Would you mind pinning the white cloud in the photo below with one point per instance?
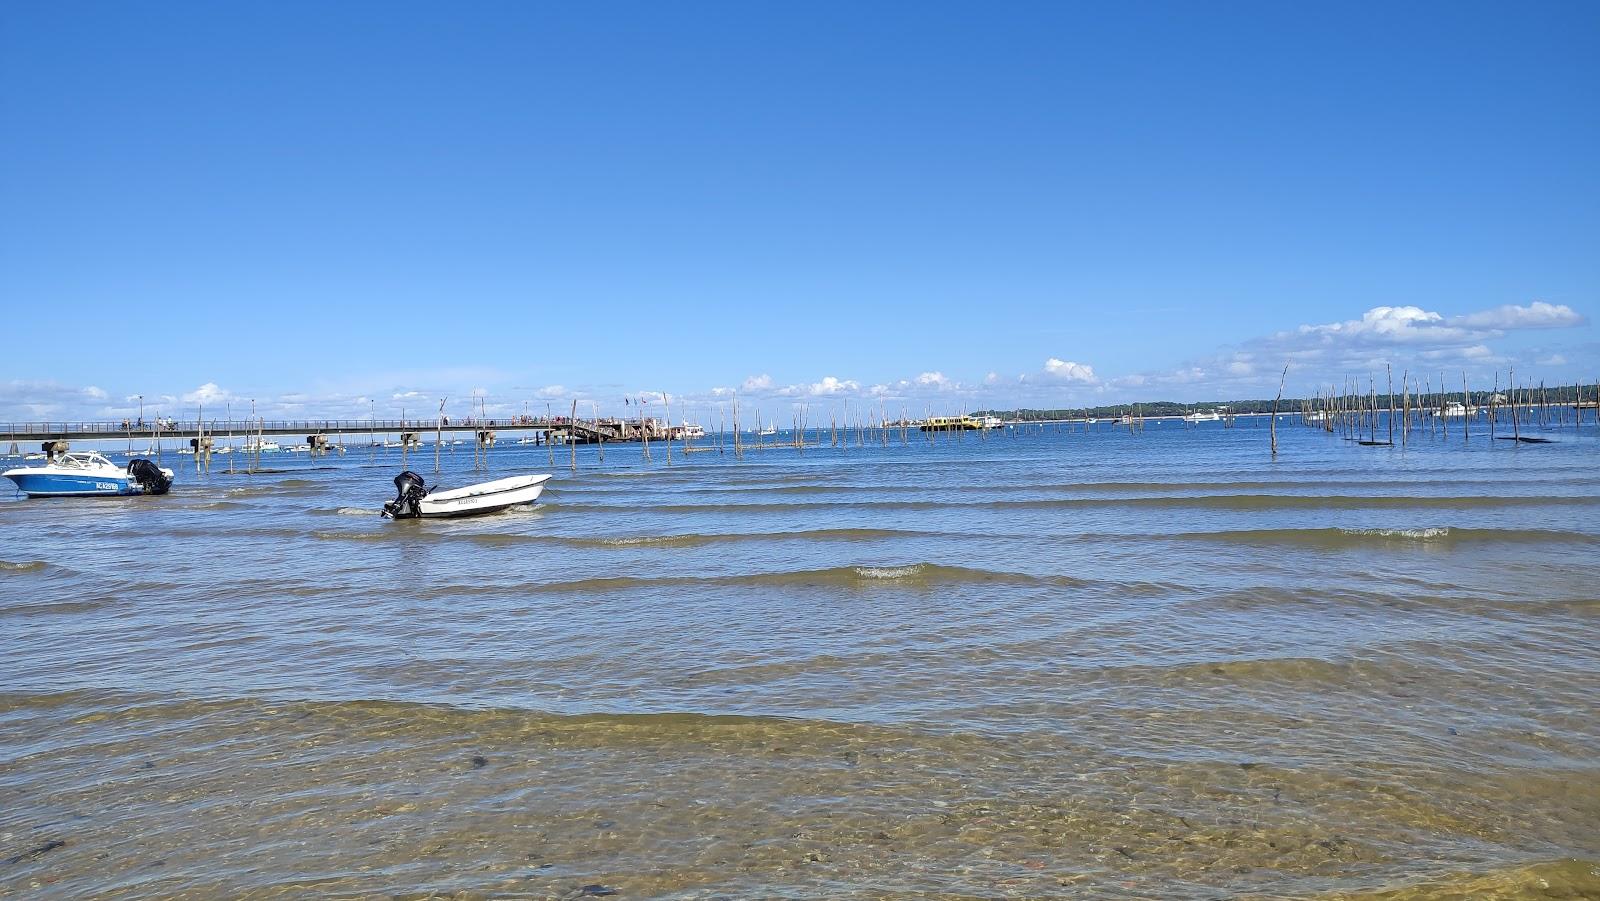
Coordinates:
(935, 379)
(830, 386)
(1553, 360)
(757, 383)
(550, 392)
(1386, 325)
(208, 393)
(992, 378)
(1535, 315)
(1068, 371)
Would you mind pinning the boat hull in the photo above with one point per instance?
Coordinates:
(44, 484)
(488, 497)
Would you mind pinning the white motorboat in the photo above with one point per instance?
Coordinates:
(414, 500)
(90, 475)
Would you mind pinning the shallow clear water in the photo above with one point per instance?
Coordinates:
(1042, 663)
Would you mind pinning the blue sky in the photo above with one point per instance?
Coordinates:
(333, 207)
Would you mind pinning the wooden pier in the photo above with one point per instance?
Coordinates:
(556, 429)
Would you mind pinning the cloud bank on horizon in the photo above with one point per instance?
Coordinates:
(1408, 338)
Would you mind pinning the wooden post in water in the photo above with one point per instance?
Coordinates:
(1372, 409)
(666, 409)
(1466, 409)
(1494, 408)
(572, 434)
(1275, 403)
(438, 434)
(644, 433)
(1405, 406)
(1390, 371)
(1516, 428)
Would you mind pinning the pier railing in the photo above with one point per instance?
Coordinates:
(20, 431)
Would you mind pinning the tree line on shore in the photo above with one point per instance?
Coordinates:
(1561, 394)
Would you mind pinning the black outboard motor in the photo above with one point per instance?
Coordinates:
(408, 500)
(149, 476)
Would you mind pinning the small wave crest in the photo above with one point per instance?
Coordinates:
(1412, 534)
(698, 540)
(23, 566)
(1393, 536)
(909, 575)
(917, 576)
(343, 511)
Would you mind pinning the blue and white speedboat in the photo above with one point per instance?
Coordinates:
(90, 475)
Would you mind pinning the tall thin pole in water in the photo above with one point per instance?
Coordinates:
(1494, 406)
(572, 434)
(1390, 370)
(666, 410)
(1516, 429)
(1466, 409)
(1405, 406)
(1275, 403)
(438, 434)
(1372, 409)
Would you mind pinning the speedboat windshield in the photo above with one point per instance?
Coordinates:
(82, 460)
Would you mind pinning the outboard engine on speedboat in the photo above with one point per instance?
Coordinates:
(410, 491)
(149, 476)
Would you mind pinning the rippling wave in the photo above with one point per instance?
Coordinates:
(1199, 501)
(1432, 536)
(23, 566)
